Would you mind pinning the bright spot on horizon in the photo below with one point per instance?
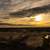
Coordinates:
(38, 18)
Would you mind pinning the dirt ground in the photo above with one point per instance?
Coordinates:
(25, 39)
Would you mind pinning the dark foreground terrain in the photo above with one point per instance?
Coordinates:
(25, 39)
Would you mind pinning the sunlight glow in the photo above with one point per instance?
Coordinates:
(38, 18)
